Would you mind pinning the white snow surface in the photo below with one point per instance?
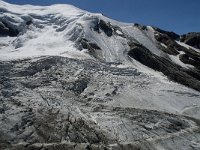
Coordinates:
(41, 38)
(188, 46)
(55, 31)
(176, 60)
(56, 28)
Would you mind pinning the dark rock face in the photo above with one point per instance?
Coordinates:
(105, 27)
(172, 35)
(165, 39)
(192, 39)
(142, 27)
(189, 77)
(190, 59)
(6, 30)
(173, 71)
(93, 48)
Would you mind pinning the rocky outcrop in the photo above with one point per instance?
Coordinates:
(105, 27)
(189, 58)
(169, 42)
(192, 39)
(172, 35)
(5, 30)
(93, 48)
(173, 71)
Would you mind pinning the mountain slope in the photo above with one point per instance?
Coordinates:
(80, 34)
(77, 80)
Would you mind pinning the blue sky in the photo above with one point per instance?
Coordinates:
(180, 16)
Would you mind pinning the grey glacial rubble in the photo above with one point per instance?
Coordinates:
(70, 79)
(57, 102)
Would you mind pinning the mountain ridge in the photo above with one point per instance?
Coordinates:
(89, 35)
(71, 79)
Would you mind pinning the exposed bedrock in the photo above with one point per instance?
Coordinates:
(173, 71)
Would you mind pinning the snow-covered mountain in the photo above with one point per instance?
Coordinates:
(71, 79)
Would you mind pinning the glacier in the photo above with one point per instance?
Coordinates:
(71, 79)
